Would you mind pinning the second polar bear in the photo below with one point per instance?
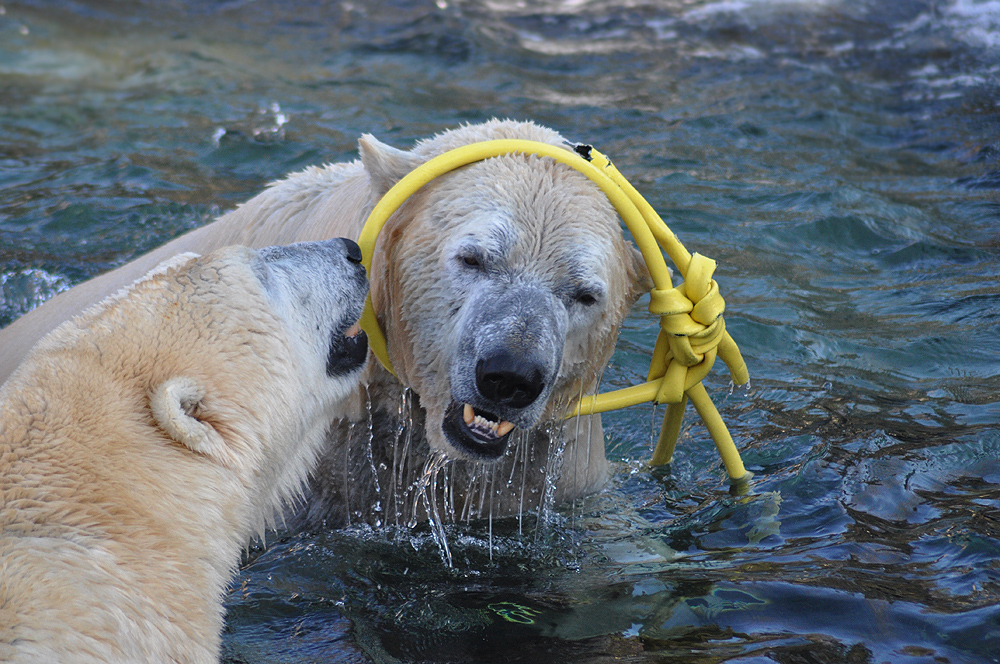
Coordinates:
(145, 441)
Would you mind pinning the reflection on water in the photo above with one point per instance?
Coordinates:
(840, 160)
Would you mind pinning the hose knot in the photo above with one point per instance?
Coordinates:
(691, 329)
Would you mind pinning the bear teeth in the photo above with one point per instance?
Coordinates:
(483, 425)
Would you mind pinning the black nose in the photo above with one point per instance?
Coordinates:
(353, 250)
(507, 380)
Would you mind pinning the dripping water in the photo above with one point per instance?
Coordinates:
(576, 465)
(598, 378)
(654, 426)
(410, 483)
(401, 453)
(347, 473)
(493, 474)
(552, 471)
(369, 452)
(522, 451)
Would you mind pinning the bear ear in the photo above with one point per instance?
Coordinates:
(385, 164)
(176, 404)
(642, 283)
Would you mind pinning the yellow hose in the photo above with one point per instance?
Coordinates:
(692, 330)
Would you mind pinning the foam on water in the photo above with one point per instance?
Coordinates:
(976, 22)
(758, 7)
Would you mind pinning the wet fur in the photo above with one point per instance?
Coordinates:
(143, 443)
(321, 202)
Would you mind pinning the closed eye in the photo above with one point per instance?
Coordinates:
(586, 297)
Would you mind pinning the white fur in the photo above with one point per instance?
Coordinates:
(173, 403)
(145, 441)
(571, 224)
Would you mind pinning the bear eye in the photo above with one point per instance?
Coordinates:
(471, 258)
(586, 297)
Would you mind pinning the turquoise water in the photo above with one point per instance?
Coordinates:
(841, 161)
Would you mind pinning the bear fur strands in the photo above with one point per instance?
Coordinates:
(500, 287)
(145, 441)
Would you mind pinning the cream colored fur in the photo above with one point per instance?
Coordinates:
(562, 215)
(144, 442)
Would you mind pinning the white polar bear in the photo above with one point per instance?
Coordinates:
(500, 286)
(145, 441)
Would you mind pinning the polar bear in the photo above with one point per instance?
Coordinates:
(500, 287)
(143, 442)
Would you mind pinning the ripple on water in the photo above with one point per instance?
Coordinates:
(22, 291)
(838, 158)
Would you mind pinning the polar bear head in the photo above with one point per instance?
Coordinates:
(144, 441)
(269, 354)
(312, 291)
(501, 286)
(251, 354)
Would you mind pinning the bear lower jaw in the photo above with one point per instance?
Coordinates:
(471, 440)
(348, 352)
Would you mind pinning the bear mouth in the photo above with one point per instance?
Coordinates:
(476, 432)
(348, 351)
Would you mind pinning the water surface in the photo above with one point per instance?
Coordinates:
(839, 159)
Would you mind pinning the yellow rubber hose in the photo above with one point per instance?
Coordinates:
(692, 329)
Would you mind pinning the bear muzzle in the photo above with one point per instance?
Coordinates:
(505, 367)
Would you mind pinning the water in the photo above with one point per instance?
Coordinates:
(839, 159)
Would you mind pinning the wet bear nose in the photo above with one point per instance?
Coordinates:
(504, 379)
(353, 250)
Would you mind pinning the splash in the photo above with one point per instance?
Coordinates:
(22, 291)
(742, 391)
(426, 489)
(389, 471)
(401, 454)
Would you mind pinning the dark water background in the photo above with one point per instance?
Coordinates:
(840, 159)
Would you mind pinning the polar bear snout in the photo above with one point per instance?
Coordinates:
(321, 286)
(353, 251)
(506, 364)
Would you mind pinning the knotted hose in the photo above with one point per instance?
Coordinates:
(692, 329)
